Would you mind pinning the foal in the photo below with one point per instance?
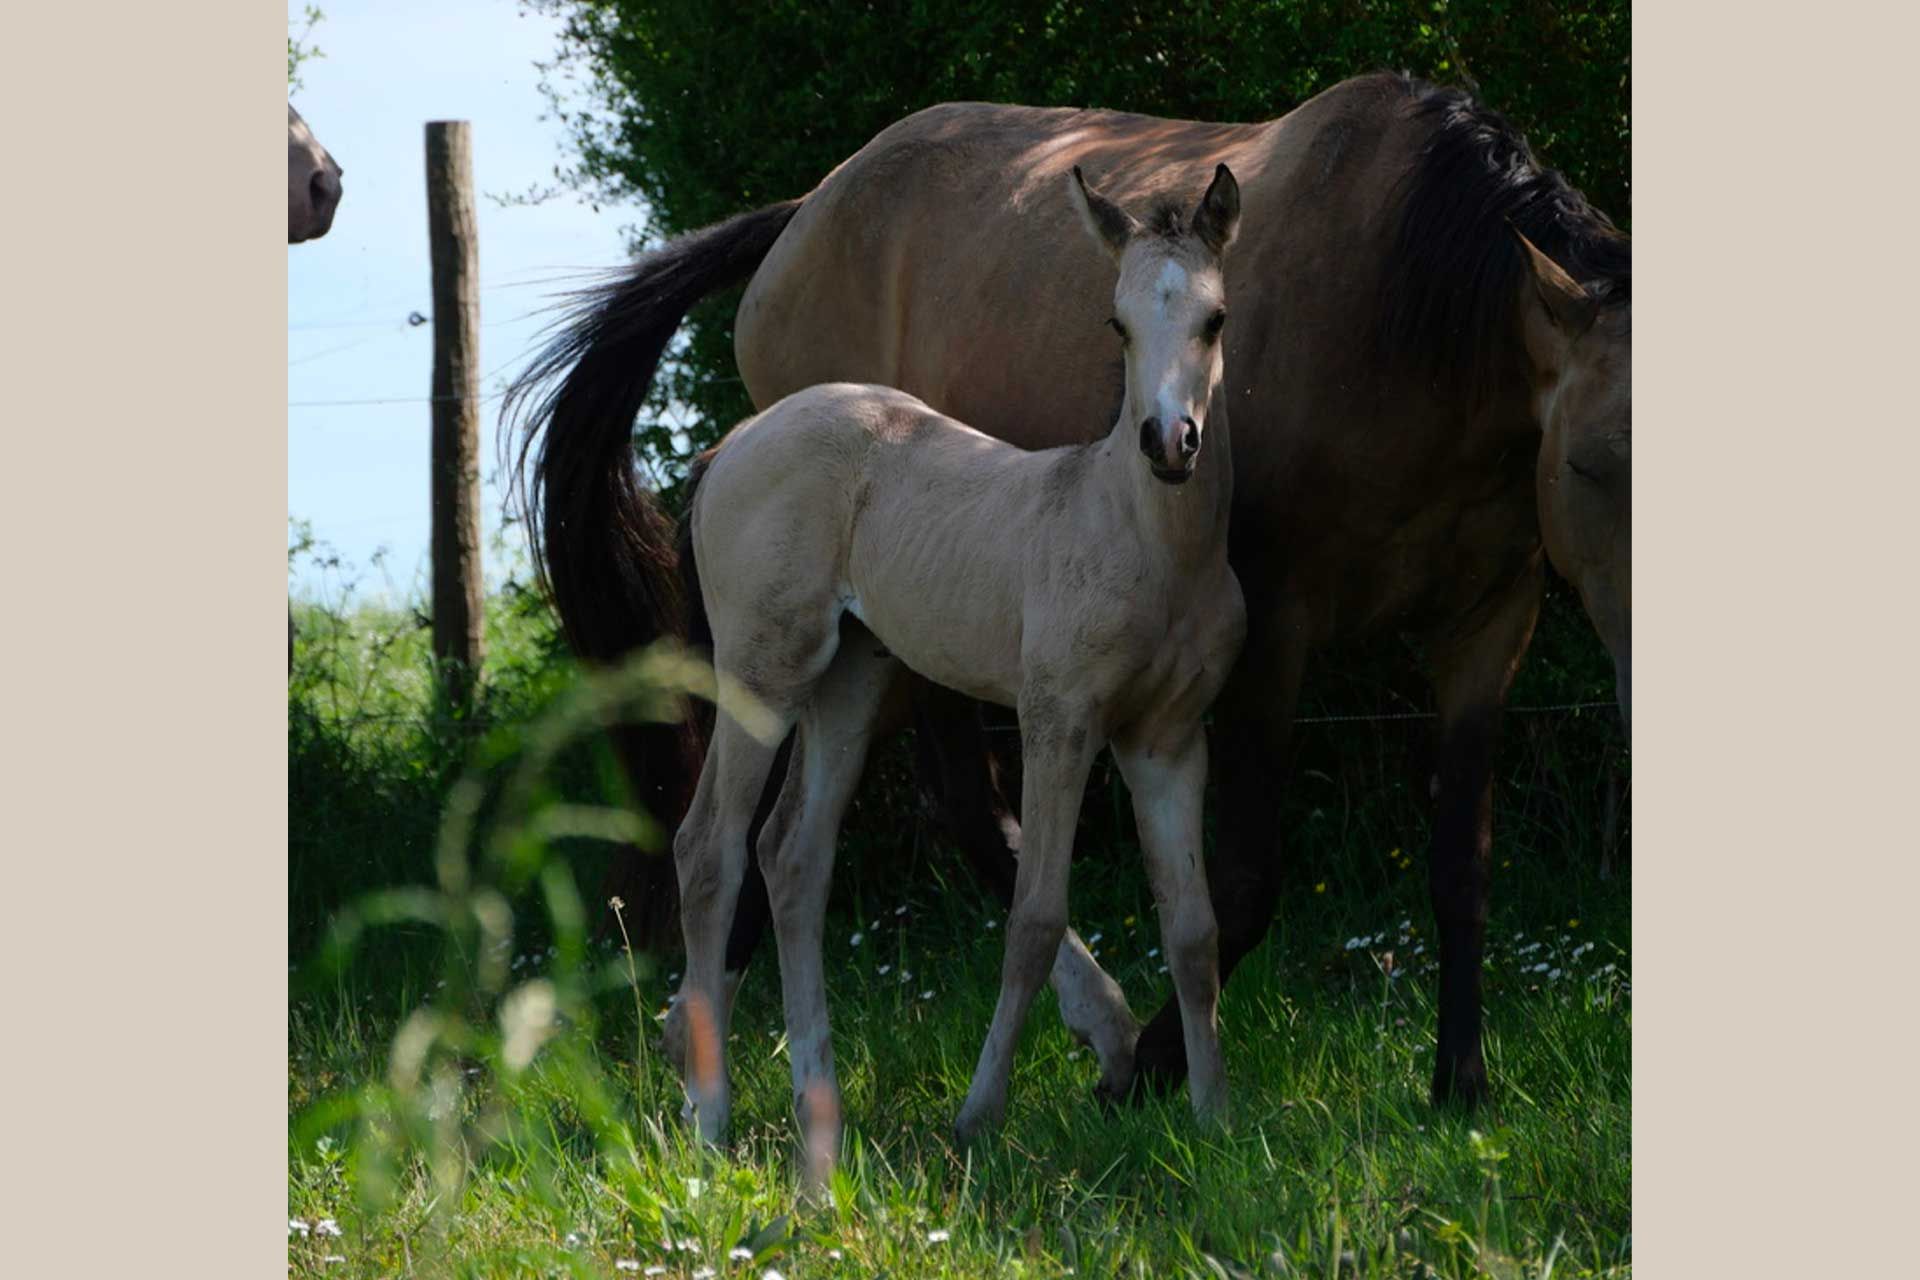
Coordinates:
(851, 529)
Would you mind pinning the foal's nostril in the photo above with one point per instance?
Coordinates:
(324, 189)
(1150, 438)
(1189, 438)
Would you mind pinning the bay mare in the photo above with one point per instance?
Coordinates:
(1429, 373)
(850, 533)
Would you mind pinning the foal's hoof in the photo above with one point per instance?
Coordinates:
(969, 1127)
(1460, 1084)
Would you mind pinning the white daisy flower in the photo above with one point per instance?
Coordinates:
(939, 1236)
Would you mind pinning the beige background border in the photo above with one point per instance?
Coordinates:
(144, 949)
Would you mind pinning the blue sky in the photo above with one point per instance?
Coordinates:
(358, 472)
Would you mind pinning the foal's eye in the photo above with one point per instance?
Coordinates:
(1215, 323)
(1117, 327)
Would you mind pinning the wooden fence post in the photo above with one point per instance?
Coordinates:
(454, 242)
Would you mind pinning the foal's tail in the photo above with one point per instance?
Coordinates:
(603, 550)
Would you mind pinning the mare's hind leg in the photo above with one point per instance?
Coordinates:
(1168, 779)
(956, 764)
(796, 851)
(1059, 749)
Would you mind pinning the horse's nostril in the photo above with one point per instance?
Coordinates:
(325, 188)
(1189, 438)
(1150, 438)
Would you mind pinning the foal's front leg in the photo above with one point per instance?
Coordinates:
(1059, 747)
(955, 766)
(1168, 777)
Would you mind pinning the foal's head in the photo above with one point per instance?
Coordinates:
(1168, 308)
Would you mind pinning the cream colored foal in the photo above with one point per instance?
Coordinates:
(849, 530)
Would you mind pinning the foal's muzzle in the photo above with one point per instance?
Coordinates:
(1171, 451)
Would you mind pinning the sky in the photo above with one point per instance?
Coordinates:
(357, 473)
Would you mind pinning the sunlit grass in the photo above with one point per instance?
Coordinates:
(450, 1157)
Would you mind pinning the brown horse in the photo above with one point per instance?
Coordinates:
(1429, 371)
(313, 182)
(851, 533)
(313, 193)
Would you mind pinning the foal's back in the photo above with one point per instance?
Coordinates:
(846, 497)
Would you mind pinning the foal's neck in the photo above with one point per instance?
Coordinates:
(1187, 521)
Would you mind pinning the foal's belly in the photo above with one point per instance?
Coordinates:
(959, 633)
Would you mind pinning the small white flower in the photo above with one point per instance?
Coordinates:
(1094, 941)
(885, 969)
(335, 1257)
(633, 1264)
(900, 910)
(738, 1254)
(992, 925)
(856, 939)
(1542, 967)
(1354, 944)
(939, 1236)
(655, 1270)
(688, 1246)
(1163, 968)
(1152, 952)
(926, 995)
(835, 1254)
(326, 1227)
(771, 1274)
(1072, 1054)
(1553, 975)
(704, 1273)
(295, 1224)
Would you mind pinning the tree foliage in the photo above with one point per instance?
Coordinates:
(704, 108)
(299, 47)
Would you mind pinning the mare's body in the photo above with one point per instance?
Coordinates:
(1417, 397)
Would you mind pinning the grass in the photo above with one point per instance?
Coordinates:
(473, 1087)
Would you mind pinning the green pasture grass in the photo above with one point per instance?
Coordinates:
(463, 1158)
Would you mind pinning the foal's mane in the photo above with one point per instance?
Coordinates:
(1454, 270)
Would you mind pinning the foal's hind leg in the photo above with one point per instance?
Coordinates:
(1168, 780)
(796, 855)
(710, 853)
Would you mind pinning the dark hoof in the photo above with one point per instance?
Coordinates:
(1159, 1063)
(1111, 1097)
(1461, 1085)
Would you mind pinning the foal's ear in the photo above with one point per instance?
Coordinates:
(1571, 308)
(1111, 225)
(1218, 217)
